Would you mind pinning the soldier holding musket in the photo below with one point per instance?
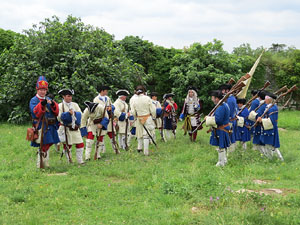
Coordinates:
(94, 122)
(44, 111)
(219, 122)
(231, 101)
(69, 129)
(122, 115)
(253, 115)
(270, 135)
(106, 102)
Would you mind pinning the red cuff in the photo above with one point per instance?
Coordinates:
(39, 110)
(175, 106)
(55, 108)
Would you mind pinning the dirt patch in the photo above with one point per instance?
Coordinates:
(199, 209)
(268, 191)
(56, 174)
(261, 181)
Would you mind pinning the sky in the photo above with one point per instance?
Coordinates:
(170, 23)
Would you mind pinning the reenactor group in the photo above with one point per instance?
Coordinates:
(231, 121)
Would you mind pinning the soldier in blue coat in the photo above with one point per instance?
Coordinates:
(231, 101)
(257, 131)
(270, 136)
(43, 107)
(220, 127)
(243, 134)
(254, 104)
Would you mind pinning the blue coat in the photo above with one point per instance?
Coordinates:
(231, 101)
(271, 137)
(254, 104)
(257, 131)
(37, 110)
(243, 134)
(220, 138)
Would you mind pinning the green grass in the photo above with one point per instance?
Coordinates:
(161, 189)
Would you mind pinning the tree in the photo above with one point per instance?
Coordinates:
(70, 55)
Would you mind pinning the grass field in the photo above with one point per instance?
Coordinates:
(177, 184)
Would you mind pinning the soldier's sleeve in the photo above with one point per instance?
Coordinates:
(59, 112)
(78, 114)
(84, 118)
(54, 107)
(175, 106)
(274, 115)
(118, 112)
(152, 108)
(219, 115)
(36, 108)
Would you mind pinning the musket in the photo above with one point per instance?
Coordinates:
(288, 101)
(220, 103)
(278, 91)
(252, 99)
(99, 134)
(67, 144)
(284, 88)
(42, 143)
(231, 81)
(113, 133)
(280, 96)
(126, 130)
(242, 79)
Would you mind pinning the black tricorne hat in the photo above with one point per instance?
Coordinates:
(225, 87)
(254, 92)
(267, 93)
(192, 88)
(103, 88)
(241, 101)
(122, 92)
(262, 95)
(168, 95)
(153, 94)
(91, 106)
(216, 93)
(64, 92)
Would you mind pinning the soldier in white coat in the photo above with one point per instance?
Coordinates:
(132, 133)
(106, 102)
(122, 115)
(69, 117)
(94, 123)
(144, 111)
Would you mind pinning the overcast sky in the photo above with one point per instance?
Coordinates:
(170, 23)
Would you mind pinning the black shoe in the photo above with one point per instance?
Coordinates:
(99, 158)
(139, 151)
